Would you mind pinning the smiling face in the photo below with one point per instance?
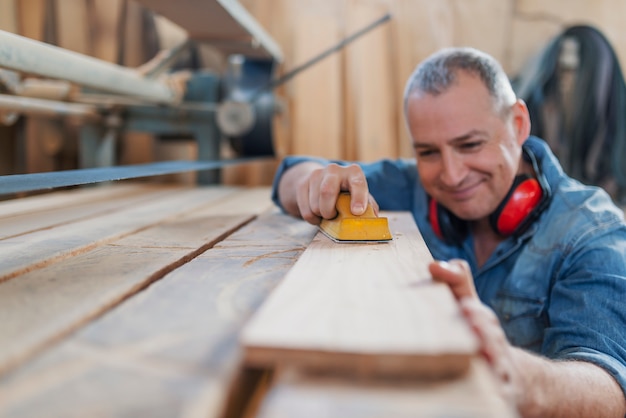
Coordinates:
(468, 151)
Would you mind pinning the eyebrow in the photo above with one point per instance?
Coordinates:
(472, 133)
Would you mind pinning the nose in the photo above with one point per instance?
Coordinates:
(453, 169)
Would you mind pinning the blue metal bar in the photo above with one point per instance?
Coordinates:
(19, 183)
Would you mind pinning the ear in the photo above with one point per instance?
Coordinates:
(521, 121)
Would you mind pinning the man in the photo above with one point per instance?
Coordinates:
(536, 260)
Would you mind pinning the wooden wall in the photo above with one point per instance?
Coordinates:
(349, 105)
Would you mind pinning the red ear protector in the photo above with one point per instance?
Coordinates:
(524, 202)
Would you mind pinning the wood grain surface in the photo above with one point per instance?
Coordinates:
(146, 323)
(472, 396)
(367, 309)
(24, 252)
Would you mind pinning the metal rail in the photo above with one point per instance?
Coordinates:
(20, 183)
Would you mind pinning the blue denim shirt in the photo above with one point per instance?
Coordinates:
(559, 289)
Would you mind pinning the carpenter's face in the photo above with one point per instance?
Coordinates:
(467, 153)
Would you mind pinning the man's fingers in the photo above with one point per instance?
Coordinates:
(494, 346)
(373, 204)
(317, 193)
(303, 199)
(485, 325)
(457, 275)
(338, 179)
(354, 182)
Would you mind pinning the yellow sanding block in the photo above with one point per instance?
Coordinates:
(346, 227)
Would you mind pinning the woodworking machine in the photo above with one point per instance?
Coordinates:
(237, 106)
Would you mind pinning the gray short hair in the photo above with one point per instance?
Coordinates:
(438, 72)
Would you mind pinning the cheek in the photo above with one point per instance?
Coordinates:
(428, 175)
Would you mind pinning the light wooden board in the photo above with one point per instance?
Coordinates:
(317, 122)
(224, 24)
(472, 396)
(44, 304)
(74, 207)
(73, 29)
(371, 103)
(26, 252)
(31, 15)
(367, 309)
(170, 350)
(8, 16)
(62, 199)
(104, 18)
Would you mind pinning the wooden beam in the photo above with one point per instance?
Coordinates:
(25, 252)
(42, 305)
(172, 349)
(8, 16)
(73, 31)
(63, 199)
(370, 96)
(363, 309)
(224, 24)
(317, 126)
(32, 17)
(105, 20)
(76, 207)
(474, 395)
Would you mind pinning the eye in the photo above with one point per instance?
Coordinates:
(426, 153)
(470, 146)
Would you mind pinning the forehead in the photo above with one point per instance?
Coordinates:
(460, 83)
(465, 105)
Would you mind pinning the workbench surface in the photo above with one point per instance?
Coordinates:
(127, 300)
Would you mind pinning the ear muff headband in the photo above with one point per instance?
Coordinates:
(433, 217)
(522, 205)
(446, 225)
(521, 201)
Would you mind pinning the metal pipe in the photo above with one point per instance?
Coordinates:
(31, 106)
(27, 55)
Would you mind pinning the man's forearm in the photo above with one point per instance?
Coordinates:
(566, 389)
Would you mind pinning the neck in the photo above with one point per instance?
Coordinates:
(485, 240)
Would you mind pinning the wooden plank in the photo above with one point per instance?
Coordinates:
(419, 28)
(75, 197)
(365, 309)
(73, 31)
(472, 396)
(45, 304)
(224, 24)
(75, 208)
(170, 351)
(43, 138)
(105, 25)
(135, 48)
(32, 16)
(317, 120)
(8, 165)
(491, 37)
(8, 16)
(26, 252)
(373, 105)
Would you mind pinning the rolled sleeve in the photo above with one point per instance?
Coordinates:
(587, 313)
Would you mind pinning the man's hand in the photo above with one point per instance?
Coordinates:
(535, 386)
(310, 191)
(494, 346)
